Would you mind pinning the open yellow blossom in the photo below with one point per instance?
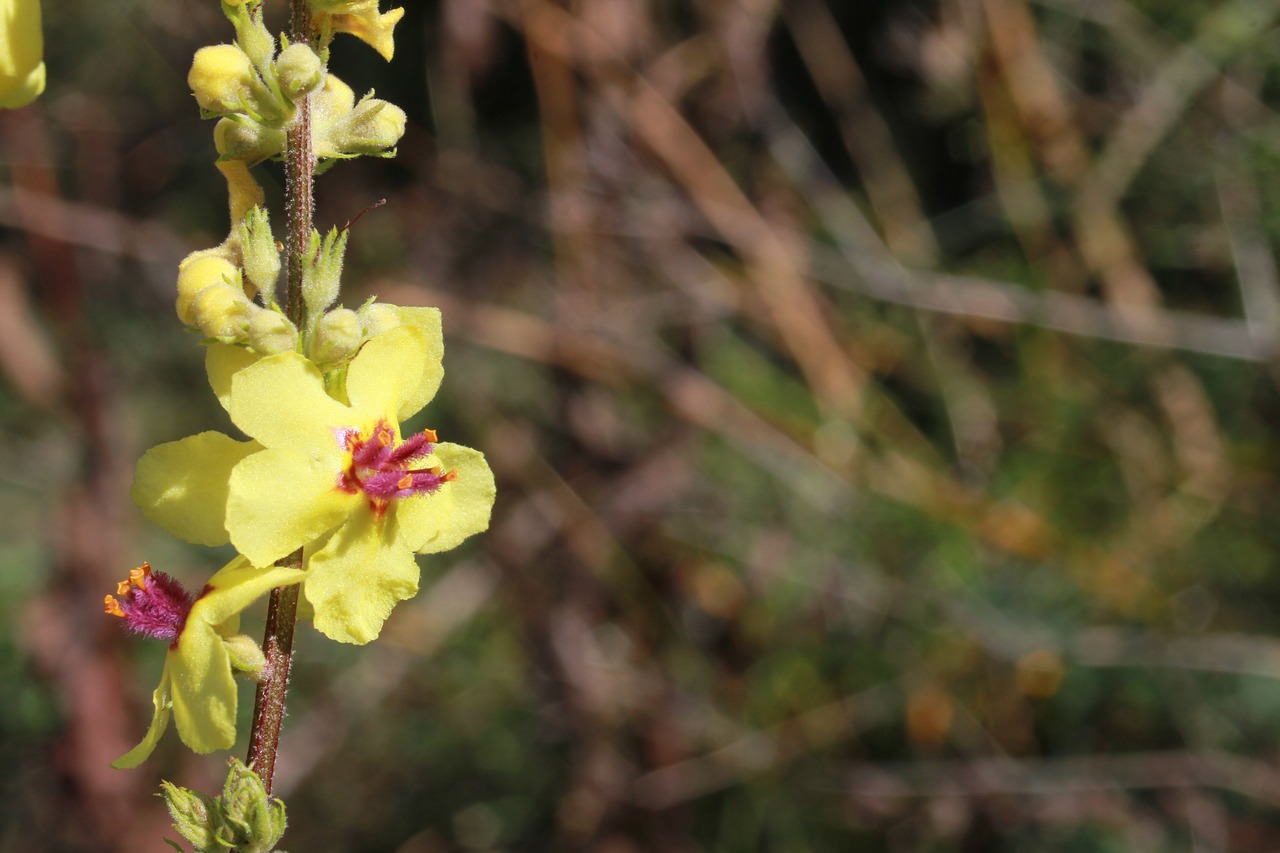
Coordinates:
(196, 686)
(332, 476)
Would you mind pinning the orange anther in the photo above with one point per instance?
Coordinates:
(450, 477)
(404, 482)
(430, 435)
(123, 588)
(112, 607)
(138, 575)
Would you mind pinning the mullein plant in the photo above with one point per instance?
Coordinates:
(324, 498)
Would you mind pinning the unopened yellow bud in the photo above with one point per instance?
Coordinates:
(221, 78)
(242, 138)
(372, 127)
(198, 271)
(299, 71)
(21, 53)
(332, 103)
(222, 311)
(338, 335)
(379, 317)
(246, 655)
(271, 332)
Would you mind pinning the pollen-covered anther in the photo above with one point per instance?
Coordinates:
(383, 470)
(151, 603)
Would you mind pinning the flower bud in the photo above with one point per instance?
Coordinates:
(338, 335)
(194, 815)
(322, 270)
(198, 271)
(332, 103)
(222, 311)
(242, 138)
(299, 70)
(372, 128)
(252, 821)
(252, 34)
(246, 655)
(261, 258)
(271, 332)
(379, 317)
(222, 78)
(22, 71)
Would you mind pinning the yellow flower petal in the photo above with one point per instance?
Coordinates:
(386, 377)
(202, 688)
(437, 522)
(243, 191)
(22, 72)
(182, 485)
(357, 578)
(362, 20)
(281, 499)
(281, 402)
(428, 321)
(159, 722)
(237, 585)
(223, 361)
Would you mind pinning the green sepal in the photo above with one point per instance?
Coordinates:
(195, 817)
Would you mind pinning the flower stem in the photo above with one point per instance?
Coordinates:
(300, 171)
(268, 704)
(282, 610)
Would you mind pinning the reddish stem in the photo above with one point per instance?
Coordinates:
(282, 610)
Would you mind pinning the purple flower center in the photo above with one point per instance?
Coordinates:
(151, 603)
(385, 471)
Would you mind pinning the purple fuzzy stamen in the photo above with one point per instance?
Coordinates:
(381, 469)
(152, 604)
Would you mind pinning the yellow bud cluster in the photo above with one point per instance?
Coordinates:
(254, 85)
(214, 297)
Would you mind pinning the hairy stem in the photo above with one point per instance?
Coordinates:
(282, 611)
(300, 172)
(268, 705)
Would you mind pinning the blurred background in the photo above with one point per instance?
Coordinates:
(882, 396)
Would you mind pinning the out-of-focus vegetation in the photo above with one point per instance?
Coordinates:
(882, 396)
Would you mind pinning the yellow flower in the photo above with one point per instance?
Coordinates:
(361, 19)
(196, 686)
(21, 53)
(334, 477)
